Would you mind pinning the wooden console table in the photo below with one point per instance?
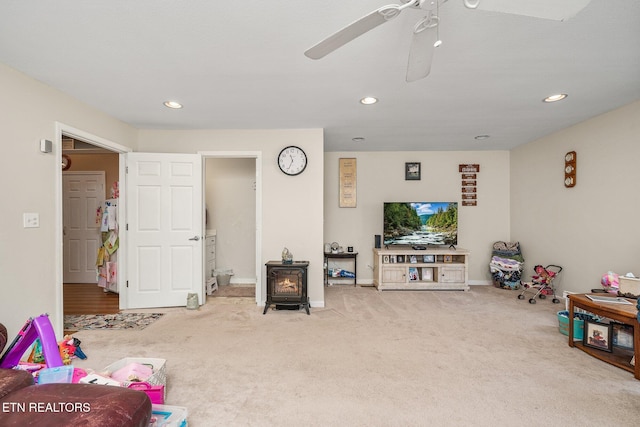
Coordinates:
(624, 313)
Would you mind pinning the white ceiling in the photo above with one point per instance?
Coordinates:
(240, 65)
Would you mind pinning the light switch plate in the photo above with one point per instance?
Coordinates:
(31, 220)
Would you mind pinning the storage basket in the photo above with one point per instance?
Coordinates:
(629, 286)
(159, 376)
(578, 323)
(169, 416)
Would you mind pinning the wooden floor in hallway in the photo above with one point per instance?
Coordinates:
(88, 298)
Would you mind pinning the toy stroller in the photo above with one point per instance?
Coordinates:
(542, 283)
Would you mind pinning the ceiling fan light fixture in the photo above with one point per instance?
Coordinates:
(368, 100)
(173, 104)
(358, 139)
(481, 137)
(555, 98)
(438, 43)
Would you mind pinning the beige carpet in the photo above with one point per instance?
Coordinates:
(369, 358)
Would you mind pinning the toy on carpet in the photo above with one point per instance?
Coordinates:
(69, 348)
(39, 329)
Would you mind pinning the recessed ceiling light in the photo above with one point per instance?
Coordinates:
(173, 104)
(481, 137)
(556, 97)
(358, 139)
(368, 100)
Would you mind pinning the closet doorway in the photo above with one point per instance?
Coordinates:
(233, 212)
(90, 176)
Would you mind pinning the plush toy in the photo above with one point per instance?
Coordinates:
(610, 282)
(70, 347)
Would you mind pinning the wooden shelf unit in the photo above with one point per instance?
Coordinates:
(430, 269)
(626, 314)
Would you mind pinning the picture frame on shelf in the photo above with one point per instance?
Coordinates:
(598, 335)
(413, 259)
(400, 258)
(413, 274)
(622, 336)
(428, 258)
(392, 259)
(447, 258)
(385, 259)
(412, 171)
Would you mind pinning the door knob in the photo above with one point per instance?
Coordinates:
(196, 238)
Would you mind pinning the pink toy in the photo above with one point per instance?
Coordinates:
(610, 282)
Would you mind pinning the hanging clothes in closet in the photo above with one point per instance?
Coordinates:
(107, 262)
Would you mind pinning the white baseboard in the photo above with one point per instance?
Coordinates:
(565, 294)
(242, 281)
(480, 282)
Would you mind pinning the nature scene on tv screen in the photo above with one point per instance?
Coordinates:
(423, 223)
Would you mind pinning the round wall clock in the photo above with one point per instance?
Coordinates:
(292, 160)
(66, 162)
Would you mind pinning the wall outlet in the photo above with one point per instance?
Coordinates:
(31, 220)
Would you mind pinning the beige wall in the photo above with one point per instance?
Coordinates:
(593, 227)
(380, 178)
(107, 162)
(28, 267)
(292, 208)
(589, 229)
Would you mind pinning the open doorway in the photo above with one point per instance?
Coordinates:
(233, 216)
(90, 180)
(89, 142)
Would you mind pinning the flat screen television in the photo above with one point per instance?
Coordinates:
(421, 223)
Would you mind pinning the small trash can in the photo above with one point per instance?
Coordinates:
(223, 277)
(192, 301)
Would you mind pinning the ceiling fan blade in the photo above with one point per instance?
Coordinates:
(557, 10)
(357, 28)
(422, 46)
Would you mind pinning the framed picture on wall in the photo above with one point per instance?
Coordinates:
(412, 171)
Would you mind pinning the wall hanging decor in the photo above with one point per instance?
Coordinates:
(570, 169)
(348, 174)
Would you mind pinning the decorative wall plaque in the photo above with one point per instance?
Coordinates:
(348, 177)
(469, 175)
(570, 163)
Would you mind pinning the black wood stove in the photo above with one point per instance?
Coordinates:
(287, 285)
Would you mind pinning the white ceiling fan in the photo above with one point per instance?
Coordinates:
(425, 32)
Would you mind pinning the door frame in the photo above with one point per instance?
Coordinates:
(257, 155)
(61, 128)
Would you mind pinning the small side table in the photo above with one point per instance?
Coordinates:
(341, 255)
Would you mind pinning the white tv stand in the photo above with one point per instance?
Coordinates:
(404, 268)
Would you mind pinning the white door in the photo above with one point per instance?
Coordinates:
(165, 229)
(83, 194)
